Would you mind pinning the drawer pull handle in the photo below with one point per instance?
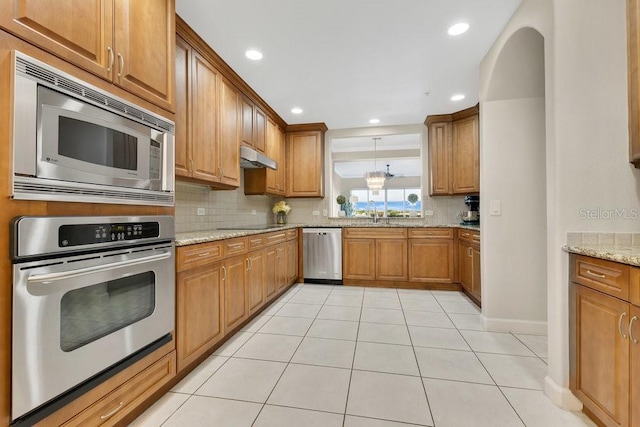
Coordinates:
(204, 254)
(224, 276)
(121, 62)
(622, 316)
(602, 276)
(111, 413)
(236, 246)
(110, 52)
(633, 319)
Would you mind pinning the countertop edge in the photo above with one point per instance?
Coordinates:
(629, 255)
(196, 237)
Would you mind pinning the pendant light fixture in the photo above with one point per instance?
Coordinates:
(375, 179)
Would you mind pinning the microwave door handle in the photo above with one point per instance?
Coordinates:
(63, 275)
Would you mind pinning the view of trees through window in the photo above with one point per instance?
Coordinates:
(393, 202)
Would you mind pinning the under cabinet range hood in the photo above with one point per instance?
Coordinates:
(252, 159)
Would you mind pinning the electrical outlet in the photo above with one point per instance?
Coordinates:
(253, 212)
(200, 211)
(325, 212)
(315, 213)
(428, 213)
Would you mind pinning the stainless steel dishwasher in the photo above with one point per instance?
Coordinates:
(322, 255)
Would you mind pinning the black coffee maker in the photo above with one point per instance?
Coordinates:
(472, 215)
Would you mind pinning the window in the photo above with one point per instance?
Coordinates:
(389, 202)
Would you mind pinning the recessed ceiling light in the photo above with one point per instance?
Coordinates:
(374, 121)
(296, 110)
(458, 97)
(253, 54)
(458, 29)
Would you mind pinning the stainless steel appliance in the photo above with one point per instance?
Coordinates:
(252, 159)
(322, 255)
(90, 296)
(471, 216)
(74, 140)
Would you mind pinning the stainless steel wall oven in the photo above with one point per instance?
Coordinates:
(90, 296)
(75, 140)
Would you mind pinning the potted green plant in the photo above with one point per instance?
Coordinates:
(413, 199)
(341, 200)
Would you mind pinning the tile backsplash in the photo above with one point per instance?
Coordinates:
(231, 208)
(620, 239)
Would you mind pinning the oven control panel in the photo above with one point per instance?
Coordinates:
(87, 234)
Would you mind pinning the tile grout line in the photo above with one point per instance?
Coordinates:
(353, 361)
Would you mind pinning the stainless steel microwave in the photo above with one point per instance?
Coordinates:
(75, 142)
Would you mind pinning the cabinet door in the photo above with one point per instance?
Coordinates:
(271, 276)
(260, 130)
(431, 261)
(183, 108)
(599, 372)
(204, 123)
(391, 259)
(246, 124)
(229, 129)
(199, 317)
(292, 261)
(466, 156)
(465, 265)
(281, 175)
(634, 339)
(144, 43)
(281, 266)
(79, 31)
(235, 291)
(273, 151)
(476, 287)
(633, 78)
(359, 259)
(440, 158)
(305, 164)
(255, 280)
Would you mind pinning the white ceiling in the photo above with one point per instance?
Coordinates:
(405, 141)
(347, 61)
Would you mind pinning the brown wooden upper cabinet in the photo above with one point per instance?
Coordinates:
(207, 121)
(633, 63)
(454, 153)
(265, 180)
(305, 160)
(253, 131)
(130, 43)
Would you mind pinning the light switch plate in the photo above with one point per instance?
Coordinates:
(253, 212)
(325, 212)
(495, 208)
(428, 213)
(316, 213)
(200, 211)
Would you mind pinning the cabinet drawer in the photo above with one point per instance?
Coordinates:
(237, 246)
(431, 233)
(198, 255)
(469, 236)
(275, 237)
(256, 242)
(114, 406)
(634, 285)
(606, 276)
(375, 233)
(292, 234)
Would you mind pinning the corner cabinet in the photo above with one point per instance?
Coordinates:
(469, 263)
(305, 160)
(604, 349)
(207, 121)
(126, 42)
(454, 152)
(633, 77)
(431, 255)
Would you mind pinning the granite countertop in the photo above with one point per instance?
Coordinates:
(625, 254)
(195, 237)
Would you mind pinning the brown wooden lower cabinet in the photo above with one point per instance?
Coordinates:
(600, 372)
(281, 266)
(255, 280)
(359, 259)
(469, 263)
(235, 291)
(391, 260)
(271, 272)
(292, 261)
(198, 326)
(431, 261)
(604, 350)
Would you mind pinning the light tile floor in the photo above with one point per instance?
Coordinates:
(353, 357)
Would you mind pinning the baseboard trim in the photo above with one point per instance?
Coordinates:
(515, 326)
(561, 396)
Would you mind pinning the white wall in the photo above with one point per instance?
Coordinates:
(586, 140)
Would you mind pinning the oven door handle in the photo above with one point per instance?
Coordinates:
(63, 275)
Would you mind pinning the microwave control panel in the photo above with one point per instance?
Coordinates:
(88, 234)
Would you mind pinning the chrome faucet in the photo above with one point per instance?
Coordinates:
(375, 211)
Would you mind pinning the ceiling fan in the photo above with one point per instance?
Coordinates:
(387, 174)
